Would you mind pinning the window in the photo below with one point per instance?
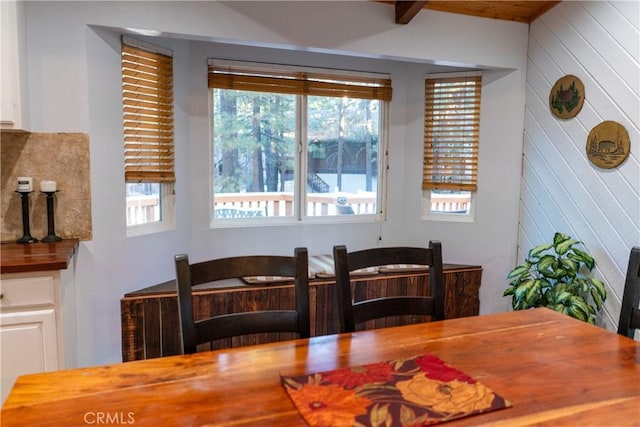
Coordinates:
(451, 135)
(147, 93)
(292, 143)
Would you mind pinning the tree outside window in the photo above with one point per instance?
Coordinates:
(295, 155)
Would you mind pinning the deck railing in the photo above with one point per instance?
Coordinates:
(281, 204)
(143, 209)
(450, 203)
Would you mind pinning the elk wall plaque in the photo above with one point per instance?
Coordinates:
(608, 144)
(566, 97)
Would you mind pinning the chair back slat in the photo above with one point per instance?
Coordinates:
(242, 266)
(391, 306)
(257, 322)
(391, 255)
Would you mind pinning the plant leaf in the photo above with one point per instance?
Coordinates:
(527, 294)
(581, 284)
(520, 290)
(579, 308)
(576, 313)
(537, 250)
(533, 293)
(585, 258)
(545, 284)
(521, 270)
(563, 247)
(563, 297)
(559, 238)
(599, 287)
(546, 263)
(597, 298)
(550, 274)
(570, 265)
(575, 257)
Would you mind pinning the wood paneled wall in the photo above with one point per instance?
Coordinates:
(598, 41)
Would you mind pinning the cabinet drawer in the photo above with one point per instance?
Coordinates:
(27, 291)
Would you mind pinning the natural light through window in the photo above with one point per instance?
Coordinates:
(147, 93)
(451, 139)
(297, 144)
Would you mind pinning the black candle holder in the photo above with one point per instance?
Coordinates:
(26, 232)
(51, 232)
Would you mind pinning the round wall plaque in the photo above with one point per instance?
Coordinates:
(608, 144)
(566, 97)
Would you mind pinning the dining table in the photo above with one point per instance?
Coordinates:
(551, 369)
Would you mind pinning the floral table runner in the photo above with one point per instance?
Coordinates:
(422, 390)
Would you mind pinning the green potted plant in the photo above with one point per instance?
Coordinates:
(553, 276)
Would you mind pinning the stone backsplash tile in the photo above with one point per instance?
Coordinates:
(60, 157)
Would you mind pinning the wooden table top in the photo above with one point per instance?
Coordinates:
(39, 256)
(555, 370)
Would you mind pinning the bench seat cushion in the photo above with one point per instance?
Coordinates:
(403, 268)
(321, 267)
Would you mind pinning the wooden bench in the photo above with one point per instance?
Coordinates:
(150, 315)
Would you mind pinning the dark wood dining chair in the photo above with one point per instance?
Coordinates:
(220, 326)
(351, 312)
(630, 311)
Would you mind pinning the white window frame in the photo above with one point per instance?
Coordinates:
(167, 214)
(300, 191)
(427, 213)
(167, 220)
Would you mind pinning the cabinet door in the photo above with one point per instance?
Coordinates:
(9, 75)
(28, 344)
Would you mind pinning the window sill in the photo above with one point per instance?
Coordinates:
(271, 222)
(449, 217)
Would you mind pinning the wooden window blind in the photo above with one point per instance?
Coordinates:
(252, 78)
(451, 133)
(147, 92)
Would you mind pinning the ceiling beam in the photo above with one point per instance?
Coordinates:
(406, 10)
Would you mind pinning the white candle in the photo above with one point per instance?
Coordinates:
(48, 186)
(25, 184)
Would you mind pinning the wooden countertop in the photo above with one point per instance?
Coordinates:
(27, 257)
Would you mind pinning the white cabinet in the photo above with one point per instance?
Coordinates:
(30, 325)
(10, 102)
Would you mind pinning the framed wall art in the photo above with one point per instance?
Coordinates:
(608, 144)
(566, 97)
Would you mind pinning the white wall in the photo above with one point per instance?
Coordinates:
(599, 42)
(73, 75)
